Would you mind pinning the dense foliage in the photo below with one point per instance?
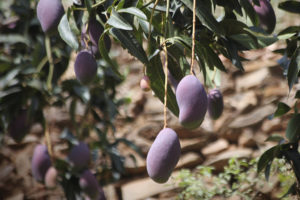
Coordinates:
(35, 52)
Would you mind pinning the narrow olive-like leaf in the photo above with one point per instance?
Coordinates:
(105, 56)
(290, 6)
(128, 40)
(66, 34)
(250, 11)
(282, 108)
(118, 21)
(293, 128)
(13, 39)
(134, 11)
(268, 170)
(294, 68)
(297, 95)
(233, 53)
(72, 22)
(266, 158)
(290, 29)
(157, 78)
(204, 16)
(274, 138)
(89, 4)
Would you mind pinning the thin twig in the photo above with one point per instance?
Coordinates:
(166, 64)
(48, 140)
(50, 59)
(193, 37)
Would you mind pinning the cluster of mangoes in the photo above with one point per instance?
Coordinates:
(78, 158)
(193, 102)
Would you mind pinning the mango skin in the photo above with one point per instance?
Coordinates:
(40, 163)
(89, 184)
(79, 156)
(266, 15)
(49, 13)
(85, 67)
(19, 126)
(101, 195)
(145, 84)
(163, 155)
(215, 103)
(192, 102)
(95, 30)
(51, 178)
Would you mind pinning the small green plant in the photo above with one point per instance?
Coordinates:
(239, 178)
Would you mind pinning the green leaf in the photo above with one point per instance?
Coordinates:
(66, 34)
(250, 11)
(157, 78)
(266, 158)
(254, 40)
(290, 6)
(134, 11)
(268, 170)
(289, 30)
(13, 39)
(118, 21)
(233, 54)
(128, 40)
(293, 128)
(105, 56)
(297, 95)
(282, 108)
(274, 138)
(294, 68)
(204, 16)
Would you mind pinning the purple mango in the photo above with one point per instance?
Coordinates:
(145, 83)
(192, 102)
(163, 155)
(95, 30)
(89, 184)
(101, 195)
(49, 13)
(85, 67)
(266, 14)
(79, 156)
(51, 177)
(19, 126)
(40, 163)
(215, 103)
(172, 80)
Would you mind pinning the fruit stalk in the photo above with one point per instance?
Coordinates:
(193, 36)
(166, 65)
(50, 59)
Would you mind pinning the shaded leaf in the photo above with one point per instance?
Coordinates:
(290, 6)
(274, 138)
(294, 68)
(266, 158)
(128, 40)
(204, 16)
(293, 128)
(282, 108)
(157, 78)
